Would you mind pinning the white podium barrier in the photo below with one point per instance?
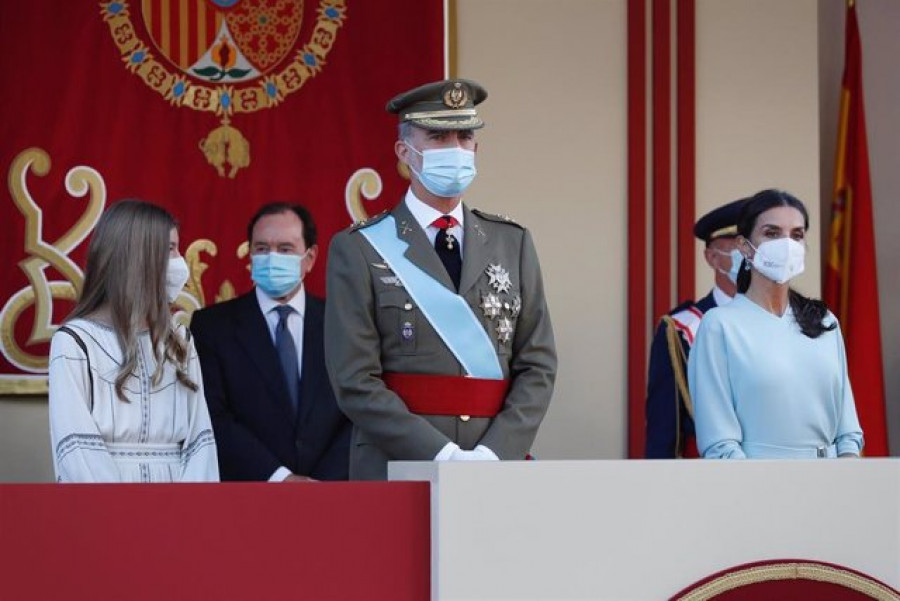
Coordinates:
(639, 529)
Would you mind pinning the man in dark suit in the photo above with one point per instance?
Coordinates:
(273, 410)
(438, 336)
(670, 412)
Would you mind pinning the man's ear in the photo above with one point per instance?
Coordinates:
(402, 151)
(711, 257)
(311, 257)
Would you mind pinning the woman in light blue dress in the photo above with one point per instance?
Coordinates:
(768, 373)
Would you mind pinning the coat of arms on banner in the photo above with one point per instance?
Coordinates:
(225, 57)
(208, 108)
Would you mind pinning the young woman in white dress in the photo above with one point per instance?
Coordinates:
(126, 393)
(768, 372)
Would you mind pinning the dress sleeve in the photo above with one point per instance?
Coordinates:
(79, 451)
(199, 460)
(719, 433)
(849, 435)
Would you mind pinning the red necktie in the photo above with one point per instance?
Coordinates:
(447, 247)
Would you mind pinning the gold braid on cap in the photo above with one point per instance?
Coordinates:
(453, 113)
(438, 123)
(730, 230)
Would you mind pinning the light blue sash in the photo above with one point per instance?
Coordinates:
(447, 312)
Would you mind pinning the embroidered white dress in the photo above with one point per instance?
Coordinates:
(162, 434)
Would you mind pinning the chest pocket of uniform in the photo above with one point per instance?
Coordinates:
(399, 321)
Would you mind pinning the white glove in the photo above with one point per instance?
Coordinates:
(479, 453)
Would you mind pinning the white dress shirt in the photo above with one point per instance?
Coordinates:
(425, 216)
(720, 297)
(295, 326)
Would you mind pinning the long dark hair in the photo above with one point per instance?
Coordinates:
(126, 272)
(809, 313)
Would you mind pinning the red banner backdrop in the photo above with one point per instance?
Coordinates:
(207, 107)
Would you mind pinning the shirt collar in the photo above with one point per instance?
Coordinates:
(267, 303)
(720, 297)
(425, 215)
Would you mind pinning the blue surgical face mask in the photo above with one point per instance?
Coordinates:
(276, 274)
(446, 172)
(736, 258)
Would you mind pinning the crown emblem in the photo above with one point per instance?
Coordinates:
(456, 96)
(235, 57)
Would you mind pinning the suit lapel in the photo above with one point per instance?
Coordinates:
(420, 250)
(475, 251)
(252, 333)
(313, 360)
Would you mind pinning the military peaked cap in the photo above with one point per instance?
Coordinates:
(720, 222)
(441, 105)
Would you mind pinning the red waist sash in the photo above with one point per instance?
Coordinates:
(428, 394)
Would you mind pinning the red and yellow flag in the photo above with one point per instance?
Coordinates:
(851, 275)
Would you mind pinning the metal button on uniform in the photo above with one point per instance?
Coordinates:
(408, 306)
(464, 418)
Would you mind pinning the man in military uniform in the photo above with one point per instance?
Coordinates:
(438, 339)
(670, 412)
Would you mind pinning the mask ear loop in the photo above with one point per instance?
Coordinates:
(745, 264)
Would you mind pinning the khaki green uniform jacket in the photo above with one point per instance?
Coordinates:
(372, 325)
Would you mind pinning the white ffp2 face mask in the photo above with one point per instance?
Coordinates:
(176, 277)
(779, 260)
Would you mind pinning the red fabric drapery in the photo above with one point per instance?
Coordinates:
(155, 100)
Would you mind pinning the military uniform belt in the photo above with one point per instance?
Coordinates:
(428, 394)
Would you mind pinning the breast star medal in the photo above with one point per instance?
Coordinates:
(490, 305)
(504, 329)
(499, 278)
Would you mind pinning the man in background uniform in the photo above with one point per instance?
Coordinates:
(438, 339)
(670, 412)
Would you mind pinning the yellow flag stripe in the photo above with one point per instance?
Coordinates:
(201, 28)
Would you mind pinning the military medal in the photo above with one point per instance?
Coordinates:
(515, 306)
(490, 304)
(499, 278)
(408, 331)
(450, 241)
(504, 329)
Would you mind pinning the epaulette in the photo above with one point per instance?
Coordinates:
(370, 221)
(684, 305)
(686, 319)
(497, 218)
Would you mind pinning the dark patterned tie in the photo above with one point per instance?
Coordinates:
(447, 248)
(287, 353)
